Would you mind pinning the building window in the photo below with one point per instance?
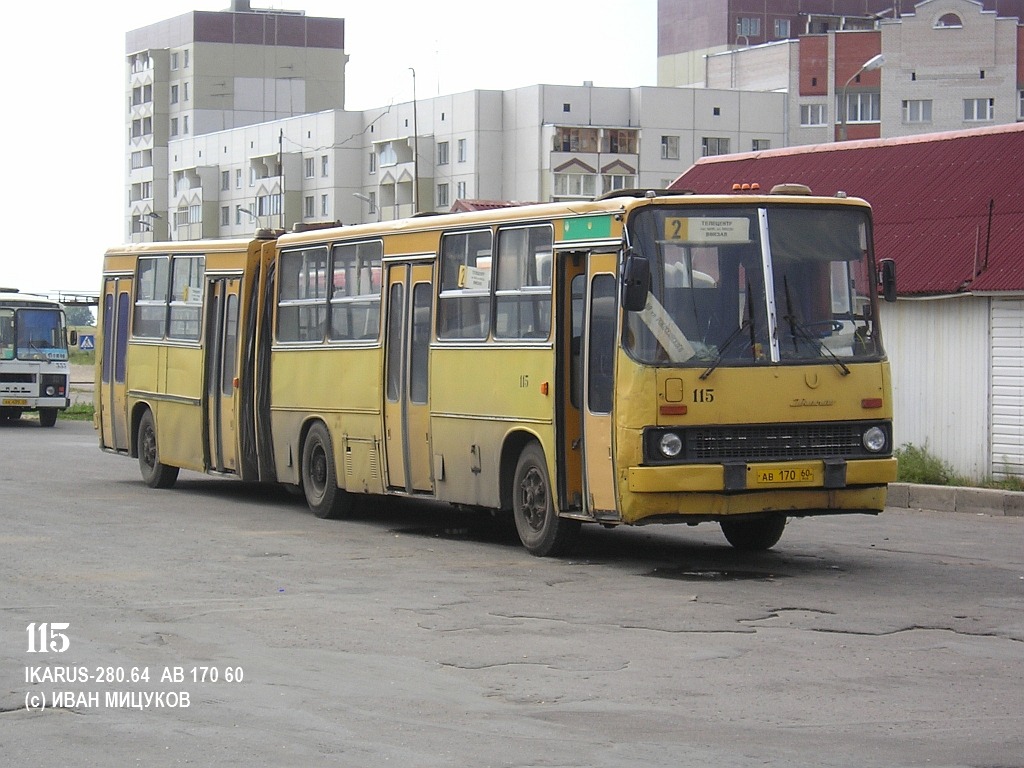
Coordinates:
(225, 180)
(238, 178)
(308, 207)
(575, 184)
(324, 167)
(442, 196)
(669, 147)
(461, 150)
(748, 27)
(184, 90)
(308, 168)
(615, 181)
(373, 162)
(174, 60)
(619, 142)
(442, 153)
(917, 111)
(1020, 110)
(174, 126)
(782, 29)
(225, 215)
(388, 155)
(185, 55)
(323, 205)
(268, 205)
(460, 190)
(979, 109)
(372, 204)
(760, 145)
(184, 124)
(714, 145)
(863, 107)
(949, 20)
(576, 140)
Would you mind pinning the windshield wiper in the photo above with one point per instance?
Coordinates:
(747, 323)
(798, 330)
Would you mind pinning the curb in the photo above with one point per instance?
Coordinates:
(939, 498)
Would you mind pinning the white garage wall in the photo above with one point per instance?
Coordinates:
(940, 355)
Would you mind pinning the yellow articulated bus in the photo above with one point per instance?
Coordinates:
(645, 357)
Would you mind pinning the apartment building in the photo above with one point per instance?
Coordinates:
(202, 72)
(691, 30)
(236, 120)
(941, 65)
(537, 143)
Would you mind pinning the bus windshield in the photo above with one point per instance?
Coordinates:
(750, 285)
(39, 334)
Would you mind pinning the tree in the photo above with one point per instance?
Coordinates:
(80, 316)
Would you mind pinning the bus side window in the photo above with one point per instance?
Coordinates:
(464, 305)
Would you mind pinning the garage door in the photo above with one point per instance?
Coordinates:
(1007, 388)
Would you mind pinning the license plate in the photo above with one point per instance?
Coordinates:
(786, 475)
(13, 401)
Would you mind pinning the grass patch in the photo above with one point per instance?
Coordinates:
(918, 465)
(77, 412)
(77, 357)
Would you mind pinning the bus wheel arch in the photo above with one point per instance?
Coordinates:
(155, 473)
(540, 528)
(754, 534)
(319, 475)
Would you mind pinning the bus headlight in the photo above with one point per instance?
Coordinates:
(874, 439)
(670, 445)
(51, 391)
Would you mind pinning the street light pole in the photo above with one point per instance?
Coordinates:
(415, 150)
(875, 62)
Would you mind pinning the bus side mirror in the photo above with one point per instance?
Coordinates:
(636, 282)
(72, 337)
(888, 279)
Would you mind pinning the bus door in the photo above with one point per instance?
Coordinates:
(220, 373)
(406, 410)
(599, 335)
(111, 397)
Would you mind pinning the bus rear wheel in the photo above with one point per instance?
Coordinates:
(47, 417)
(155, 473)
(754, 535)
(319, 478)
(541, 530)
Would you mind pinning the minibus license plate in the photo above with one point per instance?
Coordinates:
(786, 475)
(13, 401)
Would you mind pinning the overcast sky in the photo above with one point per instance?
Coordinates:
(63, 125)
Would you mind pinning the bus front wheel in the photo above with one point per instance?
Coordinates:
(754, 535)
(47, 417)
(154, 472)
(319, 478)
(541, 530)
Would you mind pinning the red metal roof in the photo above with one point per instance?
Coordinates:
(948, 207)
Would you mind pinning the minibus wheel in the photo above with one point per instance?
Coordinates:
(47, 417)
(319, 479)
(541, 530)
(154, 472)
(754, 535)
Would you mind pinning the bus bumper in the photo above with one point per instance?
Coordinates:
(710, 491)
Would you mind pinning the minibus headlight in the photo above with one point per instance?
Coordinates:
(670, 445)
(874, 439)
(51, 391)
